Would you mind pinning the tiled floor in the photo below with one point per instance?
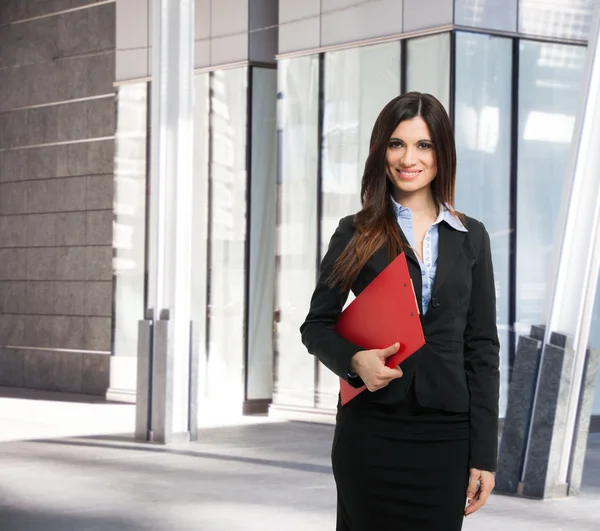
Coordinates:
(261, 476)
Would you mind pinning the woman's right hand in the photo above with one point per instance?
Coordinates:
(370, 366)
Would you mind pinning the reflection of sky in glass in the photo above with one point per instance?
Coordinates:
(569, 19)
(481, 127)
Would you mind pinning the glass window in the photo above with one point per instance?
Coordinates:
(227, 263)
(263, 200)
(489, 14)
(199, 224)
(549, 85)
(595, 343)
(566, 19)
(358, 84)
(298, 144)
(482, 130)
(428, 66)
(129, 237)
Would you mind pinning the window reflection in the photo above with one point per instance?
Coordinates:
(568, 19)
(358, 83)
(228, 233)
(297, 133)
(483, 133)
(428, 66)
(549, 86)
(129, 231)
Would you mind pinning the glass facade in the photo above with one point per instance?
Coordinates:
(279, 156)
(227, 235)
(129, 234)
(549, 81)
(297, 186)
(512, 145)
(428, 66)
(483, 144)
(358, 83)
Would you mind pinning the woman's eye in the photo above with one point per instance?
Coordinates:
(424, 146)
(395, 144)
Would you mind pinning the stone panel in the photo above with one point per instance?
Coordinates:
(426, 14)
(95, 374)
(362, 21)
(70, 228)
(41, 263)
(35, 8)
(98, 263)
(101, 118)
(71, 263)
(70, 298)
(40, 298)
(292, 10)
(98, 333)
(71, 194)
(37, 369)
(42, 196)
(13, 165)
(12, 297)
(99, 224)
(72, 121)
(13, 198)
(12, 363)
(42, 162)
(68, 331)
(13, 231)
(99, 192)
(41, 125)
(41, 230)
(12, 329)
(98, 299)
(66, 371)
(13, 264)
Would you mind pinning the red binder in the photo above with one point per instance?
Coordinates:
(384, 313)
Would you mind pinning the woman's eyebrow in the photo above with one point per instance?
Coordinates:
(396, 139)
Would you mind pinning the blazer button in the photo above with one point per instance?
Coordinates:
(435, 302)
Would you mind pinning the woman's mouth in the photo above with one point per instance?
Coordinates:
(408, 174)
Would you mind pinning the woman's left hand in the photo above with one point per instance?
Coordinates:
(481, 484)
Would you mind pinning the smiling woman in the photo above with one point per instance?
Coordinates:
(424, 439)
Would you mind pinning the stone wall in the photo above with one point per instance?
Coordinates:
(57, 123)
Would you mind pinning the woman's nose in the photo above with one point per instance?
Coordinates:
(408, 158)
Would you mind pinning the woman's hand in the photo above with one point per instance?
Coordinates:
(481, 484)
(370, 366)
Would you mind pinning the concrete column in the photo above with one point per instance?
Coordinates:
(166, 380)
(541, 454)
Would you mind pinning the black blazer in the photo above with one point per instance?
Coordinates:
(457, 369)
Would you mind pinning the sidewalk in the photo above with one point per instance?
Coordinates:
(262, 476)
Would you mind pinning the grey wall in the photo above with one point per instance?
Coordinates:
(56, 189)
(226, 31)
(315, 23)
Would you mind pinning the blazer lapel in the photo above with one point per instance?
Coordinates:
(450, 245)
(379, 261)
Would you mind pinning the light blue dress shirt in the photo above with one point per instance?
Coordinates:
(430, 244)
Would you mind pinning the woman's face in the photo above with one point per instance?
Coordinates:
(410, 157)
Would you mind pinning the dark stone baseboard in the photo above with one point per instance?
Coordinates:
(258, 406)
(50, 370)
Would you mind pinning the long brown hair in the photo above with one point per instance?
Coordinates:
(376, 225)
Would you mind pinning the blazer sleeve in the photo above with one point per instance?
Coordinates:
(318, 330)
(482, 361)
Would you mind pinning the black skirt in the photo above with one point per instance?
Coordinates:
(401, 467)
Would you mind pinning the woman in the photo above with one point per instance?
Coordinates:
(421, 445)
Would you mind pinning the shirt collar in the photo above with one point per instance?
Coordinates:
(445, 214)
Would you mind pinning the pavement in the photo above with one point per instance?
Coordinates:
(70, 464)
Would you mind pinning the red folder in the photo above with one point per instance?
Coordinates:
(384, 313)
